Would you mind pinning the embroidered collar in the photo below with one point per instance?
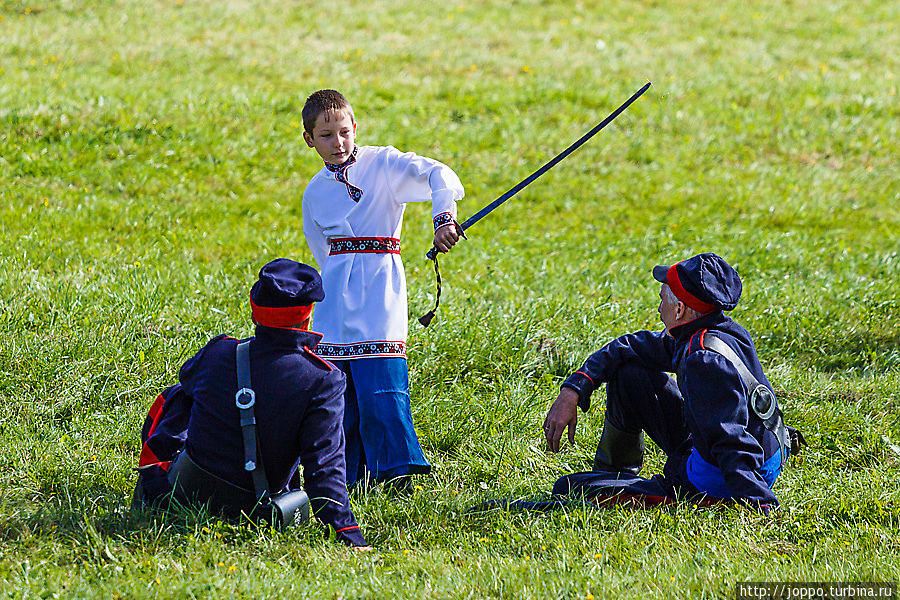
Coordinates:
(340, 173)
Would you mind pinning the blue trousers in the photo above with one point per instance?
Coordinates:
(381, 442)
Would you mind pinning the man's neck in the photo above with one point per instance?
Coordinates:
(687, 328)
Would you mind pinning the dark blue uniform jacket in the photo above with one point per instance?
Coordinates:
(731, 453)
(299, 413)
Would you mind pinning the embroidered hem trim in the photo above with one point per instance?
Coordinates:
(361, 350)
(365, 245)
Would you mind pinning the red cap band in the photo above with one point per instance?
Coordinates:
(285, 316)
(685, 296)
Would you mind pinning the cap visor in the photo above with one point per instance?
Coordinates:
(659, 273)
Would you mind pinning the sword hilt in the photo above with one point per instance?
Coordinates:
(460, 229)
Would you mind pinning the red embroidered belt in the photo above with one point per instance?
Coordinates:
(363, 245)
(361, 350)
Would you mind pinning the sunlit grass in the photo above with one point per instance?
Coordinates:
(151, 162)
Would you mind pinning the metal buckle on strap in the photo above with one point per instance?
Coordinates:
(762, 401)
(240, 394)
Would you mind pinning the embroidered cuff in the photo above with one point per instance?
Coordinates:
(445, 218)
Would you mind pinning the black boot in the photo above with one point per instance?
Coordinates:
(619, 451)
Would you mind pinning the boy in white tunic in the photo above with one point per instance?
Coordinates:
(352, 216)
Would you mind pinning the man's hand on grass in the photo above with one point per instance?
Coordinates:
(563, 414)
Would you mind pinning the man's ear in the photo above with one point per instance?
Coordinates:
(680, 310)
(308, 139)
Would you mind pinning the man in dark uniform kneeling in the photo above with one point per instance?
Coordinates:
(719, 424)
(194, 443)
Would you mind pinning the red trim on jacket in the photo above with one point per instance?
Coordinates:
(588, 376)
(702, 333)
(147, 456)
(319, 358)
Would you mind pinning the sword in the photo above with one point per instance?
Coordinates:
(425, 320)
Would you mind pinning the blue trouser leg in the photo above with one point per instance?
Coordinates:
(353, 449)
(378, 427)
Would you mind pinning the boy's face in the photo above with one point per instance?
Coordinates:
(333, 137)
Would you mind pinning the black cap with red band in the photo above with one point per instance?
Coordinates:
(704, 282)
(284, 294)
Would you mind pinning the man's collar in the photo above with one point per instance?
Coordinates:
(288, 337)
(706, 321)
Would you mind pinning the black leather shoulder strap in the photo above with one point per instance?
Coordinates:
(761, 400)
(711, 342)
(244, 400)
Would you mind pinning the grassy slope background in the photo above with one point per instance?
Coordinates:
(151, 161)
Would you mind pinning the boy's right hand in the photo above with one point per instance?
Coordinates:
(446, 237)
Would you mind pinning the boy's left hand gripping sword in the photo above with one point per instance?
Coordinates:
(432, 254)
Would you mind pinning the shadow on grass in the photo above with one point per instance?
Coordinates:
(833, 351)
(87, 520)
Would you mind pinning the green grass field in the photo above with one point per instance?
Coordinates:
(151, 162)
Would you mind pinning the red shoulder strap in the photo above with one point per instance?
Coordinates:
(319, 359)
(701, 333)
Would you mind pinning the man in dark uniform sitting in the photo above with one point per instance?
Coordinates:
(299, 411)
(719, 425)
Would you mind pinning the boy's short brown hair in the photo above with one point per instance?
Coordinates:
(323, 101)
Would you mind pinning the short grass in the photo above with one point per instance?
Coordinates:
(151, 162)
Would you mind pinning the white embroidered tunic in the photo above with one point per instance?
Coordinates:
(357, 246)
